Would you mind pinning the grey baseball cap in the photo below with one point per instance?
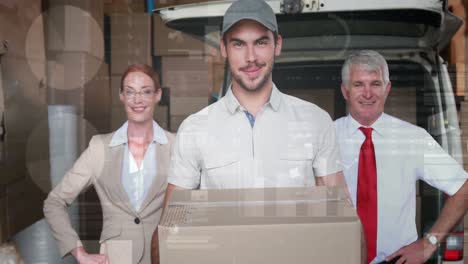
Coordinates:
(257, 10)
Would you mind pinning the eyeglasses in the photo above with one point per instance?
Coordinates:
(145, 94)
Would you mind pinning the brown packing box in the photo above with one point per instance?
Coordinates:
(98, 95)
(124, 6)
(68, 75)
(261, 226)
(130, 40)
(324, 98)
(402, 97)
(187, 105)
(73, 29)
(92, 7)
(188, 75)
(169, 42)
(21, 27)
(163, 3)
(73, 70)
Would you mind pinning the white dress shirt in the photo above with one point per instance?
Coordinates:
(290, 142)
(137, 180)
(404, 154)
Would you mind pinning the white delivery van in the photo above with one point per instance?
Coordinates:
(317, 37)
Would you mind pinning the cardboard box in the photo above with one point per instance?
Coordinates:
(259, 226)
(124, 6)
(130, 41)
(169, 42)
(164, 3)
(72, 70)
(98, 95)
(324, 98)
(92, 7)
(21, 27)
(401, 103)
(187, 76)
(187, 105)
(72, 29)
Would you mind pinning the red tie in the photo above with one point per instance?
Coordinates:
(367, 193)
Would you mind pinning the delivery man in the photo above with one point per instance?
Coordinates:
(255, 136)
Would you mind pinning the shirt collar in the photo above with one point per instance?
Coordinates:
(120, 136)
(378, 126)
(233, 104)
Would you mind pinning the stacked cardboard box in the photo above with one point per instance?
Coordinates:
(124, 6)
(23, 108)
(190, 80)
(323, 97)
(260, 226)
(164, 3)
(130, 40)
(76, 28)
(401, 103)
(98, 100)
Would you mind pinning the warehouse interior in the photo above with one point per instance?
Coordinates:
(60, 68)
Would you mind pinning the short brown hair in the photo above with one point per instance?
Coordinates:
(146, 69)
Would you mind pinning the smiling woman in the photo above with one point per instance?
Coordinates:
(139, 92)
(128, 169)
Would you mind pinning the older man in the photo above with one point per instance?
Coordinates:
(383, 158)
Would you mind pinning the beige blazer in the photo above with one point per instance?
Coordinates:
(126, 234)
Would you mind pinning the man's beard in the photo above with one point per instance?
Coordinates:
(260, 85)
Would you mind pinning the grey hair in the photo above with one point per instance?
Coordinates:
(367, 60)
